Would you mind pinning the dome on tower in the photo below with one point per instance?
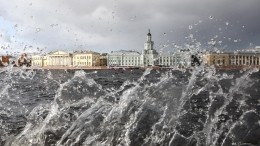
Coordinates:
(149, 34)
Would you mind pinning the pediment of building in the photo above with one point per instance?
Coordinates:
(58, 53)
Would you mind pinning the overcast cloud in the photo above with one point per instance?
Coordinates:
(107, 25)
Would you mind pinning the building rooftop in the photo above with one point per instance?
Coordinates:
(235, 52)
(122, 52)
(85, 52)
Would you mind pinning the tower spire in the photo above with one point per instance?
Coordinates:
(149, 43)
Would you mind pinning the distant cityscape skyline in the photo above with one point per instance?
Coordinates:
(119, 25)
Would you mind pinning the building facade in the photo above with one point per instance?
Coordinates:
(232, 59)
(103, 59)
(218, 59)
(182, 58)
(124, 58)
(244, 59)
(64, 59)
(37, 60)
(59, 58)
(86, 59)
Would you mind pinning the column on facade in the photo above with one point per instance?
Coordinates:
(57, 60)
(69, 61)
(61, 60)
(66, 61)
(53, 60)
(121, 62)
(50, 60)
(252, 60)
(54, 57)
(239, 59)
(244, 60)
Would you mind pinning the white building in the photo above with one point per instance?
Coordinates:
(59, 58)
(181, 58)
(124, 58)
(148, 57)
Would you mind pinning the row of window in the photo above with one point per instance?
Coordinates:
(237, 62)
(124, 61)
(82, 63)
(243, 62)
(37, 64)
(83, 57)
(244, 57)
(219, 62)
(168, 57)
(171, 60)
(125, 64)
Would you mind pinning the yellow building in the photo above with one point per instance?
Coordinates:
(44, 61)
(232, 59)
(245, 59)
(86, 59)
(37, 60)
(218, 59)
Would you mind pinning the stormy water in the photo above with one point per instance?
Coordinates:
(170, 107)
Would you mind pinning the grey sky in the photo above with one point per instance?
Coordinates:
(106, 25)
